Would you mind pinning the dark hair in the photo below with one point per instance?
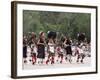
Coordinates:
(52, 34)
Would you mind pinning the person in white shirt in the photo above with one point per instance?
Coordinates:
(34, 53)
(81, 54)
(51, 51)
(60, 52)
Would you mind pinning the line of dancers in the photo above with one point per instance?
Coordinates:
(43, 50)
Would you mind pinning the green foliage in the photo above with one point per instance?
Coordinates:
(65, 23)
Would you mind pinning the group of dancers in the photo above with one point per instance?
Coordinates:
(43, 49)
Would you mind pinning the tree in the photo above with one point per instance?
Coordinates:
(65, 23)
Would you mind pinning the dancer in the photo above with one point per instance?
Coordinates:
(81, 53)
(60, 51)
(67, 44)
(33, 48)
(25, 49)
(51, 51)
(41, 47)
